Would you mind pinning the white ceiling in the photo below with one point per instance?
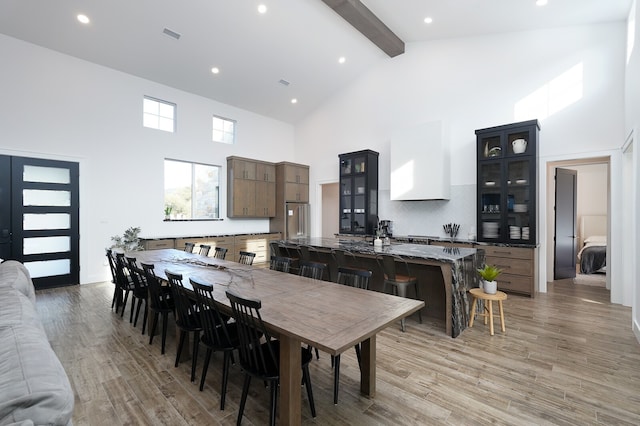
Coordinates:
(296, 40)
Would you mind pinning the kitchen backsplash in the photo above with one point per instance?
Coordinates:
(427, 217)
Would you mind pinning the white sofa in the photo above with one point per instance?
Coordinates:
(34, 388)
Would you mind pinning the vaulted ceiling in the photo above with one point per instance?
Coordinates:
(298, 42)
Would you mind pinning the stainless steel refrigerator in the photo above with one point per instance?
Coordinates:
(297, 223)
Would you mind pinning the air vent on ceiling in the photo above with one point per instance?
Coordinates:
(284, 82)
(170, 33)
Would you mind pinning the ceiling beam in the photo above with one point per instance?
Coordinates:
(362, 19)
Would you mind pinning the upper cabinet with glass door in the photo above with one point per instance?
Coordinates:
(507, 182)
(359, 192)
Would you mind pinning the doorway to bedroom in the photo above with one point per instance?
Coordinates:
(590, 222)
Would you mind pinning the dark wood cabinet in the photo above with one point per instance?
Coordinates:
(359, 192)
(507, 183)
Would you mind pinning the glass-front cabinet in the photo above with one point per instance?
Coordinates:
(507, 181)
(359, 192)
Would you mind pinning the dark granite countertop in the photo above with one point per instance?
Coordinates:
(427, 239)
(419, 251)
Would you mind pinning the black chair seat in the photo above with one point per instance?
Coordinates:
(225, 343)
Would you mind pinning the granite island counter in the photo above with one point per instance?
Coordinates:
(444, 274)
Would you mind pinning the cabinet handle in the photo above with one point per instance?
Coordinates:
(502, 252)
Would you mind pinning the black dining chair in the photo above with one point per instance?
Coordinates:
(220, 253)
(114, 277)
(259, 353)
(160, 303)
(218, 335)
(188, 247)
(358, 278)
(204, 250)
(398, 281)
(124, 282)
(246, 257)
(187, 318)
(274, 248)
(140, 292)
(315, 270)
(280, 263)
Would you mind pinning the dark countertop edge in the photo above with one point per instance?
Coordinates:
(459, 241)
(207, 236)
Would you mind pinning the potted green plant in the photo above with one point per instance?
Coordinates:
(167, 211)
(489, 273)
(129, 241)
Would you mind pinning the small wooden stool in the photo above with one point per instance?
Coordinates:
(478, 293)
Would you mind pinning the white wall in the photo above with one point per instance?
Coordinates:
(56, 106)
(471, 84)
(632, 125)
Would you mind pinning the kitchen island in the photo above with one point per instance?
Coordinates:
(445, 274)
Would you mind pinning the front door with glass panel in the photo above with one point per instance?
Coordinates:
(41, 229)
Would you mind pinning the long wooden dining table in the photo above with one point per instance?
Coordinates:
(297, 310)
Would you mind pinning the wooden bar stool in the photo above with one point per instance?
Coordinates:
(479, 294)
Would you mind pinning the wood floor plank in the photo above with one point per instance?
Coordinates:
(568, 357)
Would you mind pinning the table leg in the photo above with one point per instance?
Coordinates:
(501, 316)
(473, 311)
(490, 316)
(368, 367)
(290, 379)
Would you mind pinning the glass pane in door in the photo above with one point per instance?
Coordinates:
(43, 197)
(41, 221)
(39, 245)
(519, 205)
(48, 268)
(46, 174)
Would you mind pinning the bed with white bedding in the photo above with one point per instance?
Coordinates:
(593, 254)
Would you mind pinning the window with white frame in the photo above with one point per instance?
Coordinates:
(191, 190)
(224, 130)
(159, 114)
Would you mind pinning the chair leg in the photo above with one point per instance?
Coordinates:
(243, 399)
(115, 297)
(307, 382)
(274, 403)
(336, 378)
(205, 368)
(135, 320)
(419, 298)
(357, 347)
(124, 303)
(225, 376)
(133, 306)
(156, 314)
(145, 316)
(194, 357)
(165, 318)
(183, 336)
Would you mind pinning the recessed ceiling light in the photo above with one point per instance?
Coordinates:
(294, 101)
(428, 20)
(541, 2)
(215, 70)
(262, 8)
(342, 60)
(83, 19)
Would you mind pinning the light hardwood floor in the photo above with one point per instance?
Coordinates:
(568, 358)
